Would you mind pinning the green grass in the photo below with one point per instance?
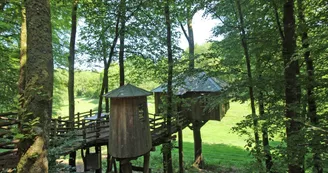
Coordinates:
(222, 149)
(81, 105)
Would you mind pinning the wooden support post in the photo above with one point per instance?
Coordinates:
(125, 166)
(84, 160)
(98, 151)
(180, 142)
(71, 161)
(114, 162)
(109, 161)
(198, 160)
(146, 163)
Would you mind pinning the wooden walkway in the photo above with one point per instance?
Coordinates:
(87, 131)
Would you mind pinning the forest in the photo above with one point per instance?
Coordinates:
(57, 55)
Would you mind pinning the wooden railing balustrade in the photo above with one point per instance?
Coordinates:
(86, 126)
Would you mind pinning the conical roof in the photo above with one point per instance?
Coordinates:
(199, 82)
(127, 90)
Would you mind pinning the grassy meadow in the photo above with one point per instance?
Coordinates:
(223, 150)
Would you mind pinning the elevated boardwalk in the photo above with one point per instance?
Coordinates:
(87, 130)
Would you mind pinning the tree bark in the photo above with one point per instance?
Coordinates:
(23, 47)
(250, 79)
(2, 4)
(122, 34)
(311, 101)
(71, 59)
(107, 62)
(191, 41)
(180, 143)
(22, 75)
(295, 150)
(169, 84)
(265, 137)
(38, 88)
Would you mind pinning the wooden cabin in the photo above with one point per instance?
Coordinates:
(129, 134)
(194, 92)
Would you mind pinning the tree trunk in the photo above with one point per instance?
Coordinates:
(265, 137)
(121, 54)
(198, 159)
(311, 101)
(250, 79)
(2, 4)
(38, 88)
(191, 41)
(104, 86)
(295, 148)
(180, 144)
(169, 84)
(71, 58)
(23, 47)
(22, 75)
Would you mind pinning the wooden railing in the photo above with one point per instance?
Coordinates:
(87, 127)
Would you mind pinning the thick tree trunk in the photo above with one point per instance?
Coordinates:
(122, 34)
(295, 148)
(38, 88)
(311, 101)
(23, 47)
(71, 58)
(250, 78)
(22, 75)
(169, 85)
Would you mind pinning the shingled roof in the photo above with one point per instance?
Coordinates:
(199, 82)
(127, 90)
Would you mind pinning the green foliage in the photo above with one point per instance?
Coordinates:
(9, 56)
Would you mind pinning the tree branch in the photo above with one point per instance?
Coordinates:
(277, 20)
(184, 32)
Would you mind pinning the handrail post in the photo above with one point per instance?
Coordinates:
(55, 127)
(154, 121)
(59, 122)
(78, 120)
(83, 131)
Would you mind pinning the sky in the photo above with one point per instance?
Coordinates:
(202, 30)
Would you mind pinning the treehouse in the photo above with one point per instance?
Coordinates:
(129, 134)
(196, 93)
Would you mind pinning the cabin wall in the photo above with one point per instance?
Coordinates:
(194, 107)
(198, 107)
(129, 134)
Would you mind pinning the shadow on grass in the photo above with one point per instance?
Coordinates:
(218, 158)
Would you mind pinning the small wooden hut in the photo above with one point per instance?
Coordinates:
(195, 91)
(129, 135)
